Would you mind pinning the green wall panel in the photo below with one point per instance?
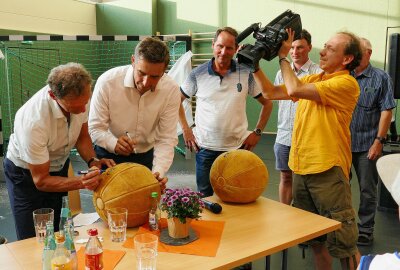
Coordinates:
(113, 20)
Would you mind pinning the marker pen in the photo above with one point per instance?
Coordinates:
(90, 170)
(130, 138)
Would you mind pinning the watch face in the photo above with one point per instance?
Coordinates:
(258, 131)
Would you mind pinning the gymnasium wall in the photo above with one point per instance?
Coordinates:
(322, 18)
(126, 17)
(368, 18)
(65, 17)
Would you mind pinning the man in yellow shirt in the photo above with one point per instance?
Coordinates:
(320, 157)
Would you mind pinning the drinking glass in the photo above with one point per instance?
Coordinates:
(40, 218)
(146, 251)
(117, 223)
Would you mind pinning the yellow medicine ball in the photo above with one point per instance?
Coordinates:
(238, 176)
(126, 185)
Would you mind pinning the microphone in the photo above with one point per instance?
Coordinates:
(216, 208)
(246, 32)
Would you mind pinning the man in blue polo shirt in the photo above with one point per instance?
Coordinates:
(221, 87)
(369, 126)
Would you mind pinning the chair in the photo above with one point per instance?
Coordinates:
(386, 170)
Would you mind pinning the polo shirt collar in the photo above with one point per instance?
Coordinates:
(367, 72)
(305, 67)
(55, 108)
(212, 72)
(338, 73)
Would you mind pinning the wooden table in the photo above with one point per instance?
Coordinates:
(252, 231)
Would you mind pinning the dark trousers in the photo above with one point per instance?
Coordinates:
(367, 175)
(25, 198)
(204, 160)
(145, 159)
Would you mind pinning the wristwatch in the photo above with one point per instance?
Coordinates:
(284, 59)
(91, 160)
(258, 131)
(382, 140)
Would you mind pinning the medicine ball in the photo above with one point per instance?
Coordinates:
(126, 185)
(238, 176)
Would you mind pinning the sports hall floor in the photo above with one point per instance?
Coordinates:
(387, 228)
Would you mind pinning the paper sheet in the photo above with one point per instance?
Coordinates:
(85, 219)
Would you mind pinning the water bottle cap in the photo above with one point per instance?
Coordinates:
(154, 194)
(59, 237)
(92, 232)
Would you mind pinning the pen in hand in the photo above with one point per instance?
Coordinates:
(130, 138)
(91, 170)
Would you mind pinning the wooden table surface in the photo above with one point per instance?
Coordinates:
(251, 231)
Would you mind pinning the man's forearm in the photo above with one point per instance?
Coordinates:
(182, 118)
(289, 77)
(265, 113)
(384, 123)
(269, 91)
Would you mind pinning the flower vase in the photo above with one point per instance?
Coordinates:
(177, 229)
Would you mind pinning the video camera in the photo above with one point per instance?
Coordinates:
(268, 39)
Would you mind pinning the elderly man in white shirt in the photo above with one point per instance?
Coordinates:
(46, 127)
(134, 110)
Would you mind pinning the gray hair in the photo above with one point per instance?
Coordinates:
(365, 43)
(68, 79)
(153, 50)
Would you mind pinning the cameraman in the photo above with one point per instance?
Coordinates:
(320, 156)
(302, 66)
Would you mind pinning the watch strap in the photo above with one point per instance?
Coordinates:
(91, 160)
(284, 59)
(382, 140)
(257, 131)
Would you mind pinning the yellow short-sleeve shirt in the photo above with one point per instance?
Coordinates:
(321, 134)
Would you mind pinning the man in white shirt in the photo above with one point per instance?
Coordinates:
(134, 110)
(301, 65)
(46, 127)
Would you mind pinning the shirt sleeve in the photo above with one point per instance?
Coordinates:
(340, 92)
(254, 88)
(33, 140)
(99, 118)
(189, 87)
(166, 138)
(387, 101)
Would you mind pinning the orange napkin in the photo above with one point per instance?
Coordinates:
(208, 232)
(110, 258)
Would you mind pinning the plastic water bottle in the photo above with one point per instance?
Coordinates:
(70, 246)
(49, 246)
(66, 216)
(61, 258)
(93, 252)
(154, 214)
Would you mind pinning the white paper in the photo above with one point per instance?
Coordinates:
(85, 219)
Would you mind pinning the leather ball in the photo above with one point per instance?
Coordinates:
(239, 176)
(127, 185)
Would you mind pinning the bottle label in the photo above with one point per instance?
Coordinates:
(153, 222)
(65, 212)
(94, 261)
